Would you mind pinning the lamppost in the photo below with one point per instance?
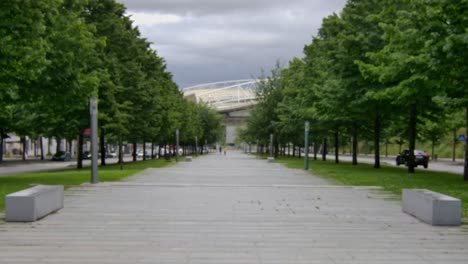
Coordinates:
(271, 145)
(306, 146)
(93, 109)
(196, 145)
(177, 145)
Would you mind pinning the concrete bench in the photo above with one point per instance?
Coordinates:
(188, 158)
(432, 207)
(271, 159)
(34, 203)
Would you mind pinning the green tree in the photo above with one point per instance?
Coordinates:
(291, 110)
(403, 65)
(211, 124)
(23, 55)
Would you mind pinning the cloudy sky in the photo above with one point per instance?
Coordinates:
(206, 41)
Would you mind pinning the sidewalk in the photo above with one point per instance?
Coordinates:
(229, 209)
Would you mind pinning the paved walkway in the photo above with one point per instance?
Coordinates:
(229, 209)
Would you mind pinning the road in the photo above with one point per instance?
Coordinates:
(15, 167)
(443, 165)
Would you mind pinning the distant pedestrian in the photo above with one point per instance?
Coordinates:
(225, 149)
(220, 150)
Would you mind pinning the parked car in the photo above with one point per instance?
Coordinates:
(86, 155)
(420, 158)
(61, 156)
(111, 154)
(140, 154)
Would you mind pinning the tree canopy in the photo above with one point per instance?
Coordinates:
(392, 65)
(57, 54)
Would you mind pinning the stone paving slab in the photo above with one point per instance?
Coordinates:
(229, 209)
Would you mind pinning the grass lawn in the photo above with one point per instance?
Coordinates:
(70, 177)
(392, 179)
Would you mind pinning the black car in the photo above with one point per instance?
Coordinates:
(61, 156)
(86, 155)
(420, 158)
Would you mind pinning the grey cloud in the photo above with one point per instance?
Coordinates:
(206, 7)
(225, 40)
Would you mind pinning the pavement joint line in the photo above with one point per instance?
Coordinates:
(183, 185)
(231, 209)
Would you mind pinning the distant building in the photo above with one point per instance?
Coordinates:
(233, 99)
(13, 146)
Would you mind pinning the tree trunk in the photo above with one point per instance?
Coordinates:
(1, 144)
(144, 150)
(275, 146)
(324, 149)
(432, 151)
(134, 152)
(121, 161)
(41, 145)
(102, 146)
(79, 158)
(465, 169)
(366, 147)
(400, 143)
(35, 149)
(70, 146)
(412, 138)
(152, 150)
(49, 145)
(454, 148)
(59, 145)
(315, 149)
(337, 133)
(377, 141)
(386, 147)
(24, 147)
(355, 144)
(294, 150)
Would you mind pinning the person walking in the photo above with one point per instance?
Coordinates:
(225, 150)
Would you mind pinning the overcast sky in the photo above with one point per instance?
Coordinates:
(206, 41)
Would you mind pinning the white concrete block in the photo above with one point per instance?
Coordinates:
(271, 159)
(33, 203)
(432, 207)
(188, 158)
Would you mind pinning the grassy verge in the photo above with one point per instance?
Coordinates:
(69, 177)
(392, 179)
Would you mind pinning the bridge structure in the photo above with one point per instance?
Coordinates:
(234, 99)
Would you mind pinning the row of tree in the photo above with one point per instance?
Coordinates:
(56, 54)
(378, 69)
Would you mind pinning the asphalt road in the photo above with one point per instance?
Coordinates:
(10, 167)
(444, 165)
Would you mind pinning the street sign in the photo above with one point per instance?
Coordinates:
(87, 132)
(462, 137)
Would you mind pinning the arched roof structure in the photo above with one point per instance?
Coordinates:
(224, 96)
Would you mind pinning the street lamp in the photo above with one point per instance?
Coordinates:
(93, 109)
(306, 146)
(177, 145)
